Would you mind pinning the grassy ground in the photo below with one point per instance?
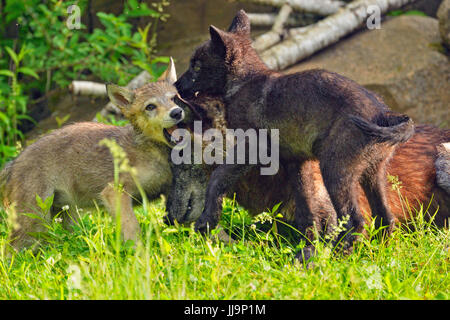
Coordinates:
(177, 263)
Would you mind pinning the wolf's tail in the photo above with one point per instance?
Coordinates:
(392, 128)
(443, 166)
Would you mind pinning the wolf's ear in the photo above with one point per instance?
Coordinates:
(219, 40)
(240, 24)
(170, 75)
(120, 96)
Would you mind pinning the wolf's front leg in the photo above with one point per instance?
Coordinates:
(119, 202)
(222, 179)
(307, 216)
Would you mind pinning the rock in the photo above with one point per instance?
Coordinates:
(402, 62)
(443, 15)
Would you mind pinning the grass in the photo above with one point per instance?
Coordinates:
(174, 262)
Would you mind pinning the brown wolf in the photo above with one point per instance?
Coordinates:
(320, 115)
(70, 164)
(420, 164)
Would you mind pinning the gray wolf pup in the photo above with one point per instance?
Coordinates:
(319, 114)
(70, 164)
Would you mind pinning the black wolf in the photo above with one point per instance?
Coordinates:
(320, 115)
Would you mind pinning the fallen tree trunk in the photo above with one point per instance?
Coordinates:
(87, 88)
(325, 32)
(99, 89)
(277, 33)
(320, 7)
(268, 20)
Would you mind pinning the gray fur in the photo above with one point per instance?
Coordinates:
(70, 163)
(443, 166)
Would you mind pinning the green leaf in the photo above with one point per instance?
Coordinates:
(143, 13)
(142, 65)
(161, 59)
(26, 117)
(415, 13)
(396, 13)
(61, 121)
(39, 201)
(13, 9)
(7, 73)
(49, 201)
(13, 55)
(34, 216)
(29, 72)
(4, 118)
(275, 207)
(135, 9)
(46, 204)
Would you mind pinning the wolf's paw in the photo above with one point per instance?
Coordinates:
(305, 254)
(205, 224)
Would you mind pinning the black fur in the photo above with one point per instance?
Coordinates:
(313, 110)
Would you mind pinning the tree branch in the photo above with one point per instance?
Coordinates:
(325, 32)
(88, 88)
(268, 19)
(320, 7)
(277, 33)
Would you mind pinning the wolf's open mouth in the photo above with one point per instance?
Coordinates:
(168, 135)
(169, 131)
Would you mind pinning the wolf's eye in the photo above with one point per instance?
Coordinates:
(150, 107)
(196, 65)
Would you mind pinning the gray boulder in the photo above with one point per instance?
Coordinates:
(443, 15)
(403, 62)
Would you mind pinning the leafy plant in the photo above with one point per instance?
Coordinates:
(396, 13)
(179, 263)
(40, 54)
(12, 102)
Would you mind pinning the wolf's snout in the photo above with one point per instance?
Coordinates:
(184, 86)
(176, 113)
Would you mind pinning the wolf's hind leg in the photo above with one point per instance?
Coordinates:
(374, 184)
(307, 219)
(26, 230)
(341, 175)
(314, 213)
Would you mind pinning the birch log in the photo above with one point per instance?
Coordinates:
(325, 32)
(87, 88)
(320, 7)
(268, 20)
(277, 33)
